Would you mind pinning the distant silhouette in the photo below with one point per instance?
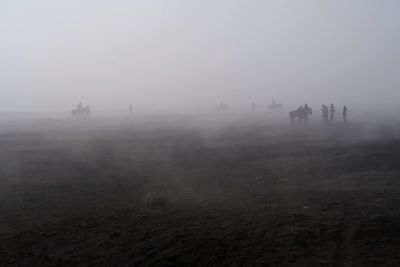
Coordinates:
(325, 113)
(275, 106)
(306, 111)
(293, 115)
(253, 106)
(87, 110)
(222, 107)
(80, 111)
(296, 114)
(332, 113)
(344, 114)
(131, 109)
(300, 112)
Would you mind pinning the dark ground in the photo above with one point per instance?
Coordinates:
(244, 195)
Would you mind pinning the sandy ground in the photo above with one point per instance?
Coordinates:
(246, 194)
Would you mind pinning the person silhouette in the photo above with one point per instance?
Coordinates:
(306, 111)
(87, 110)
(332, 113)
(344, 113)
(325, 113)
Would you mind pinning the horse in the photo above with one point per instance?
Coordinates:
(83, 112)
(275, 106)
(301, 113)
(222, 107)
(294, 114)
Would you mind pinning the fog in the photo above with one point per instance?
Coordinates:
(145, 133)
(181, 55)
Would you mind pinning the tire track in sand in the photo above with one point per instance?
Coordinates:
(342, 256)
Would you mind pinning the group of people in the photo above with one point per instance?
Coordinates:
(301, 113)
(328, 114)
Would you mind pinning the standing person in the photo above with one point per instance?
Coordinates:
(344, 113)
(306, 111)
(253, 106)
(131, 109)
(332, 113)
(325, 113)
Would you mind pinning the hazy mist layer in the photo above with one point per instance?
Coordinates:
(192, 54)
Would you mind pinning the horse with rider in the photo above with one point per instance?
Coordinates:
(301, 113)
(275, 106)
(81, 111)
(222, 107)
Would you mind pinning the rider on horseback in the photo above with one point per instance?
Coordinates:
(81, 111)
(300, 113)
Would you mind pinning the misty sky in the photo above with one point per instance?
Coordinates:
(184, 53)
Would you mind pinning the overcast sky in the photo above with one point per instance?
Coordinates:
(186, 53)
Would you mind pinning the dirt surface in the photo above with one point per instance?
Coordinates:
(243, 195)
